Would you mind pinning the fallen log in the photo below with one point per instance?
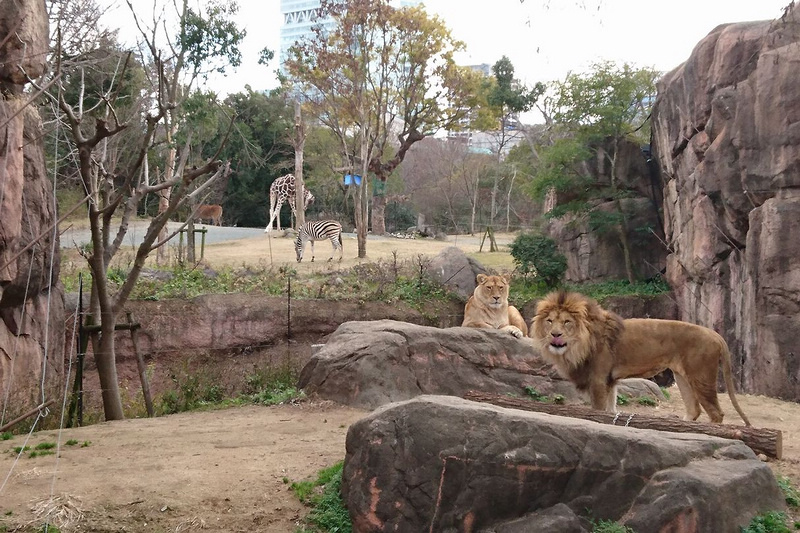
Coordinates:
(761, 440)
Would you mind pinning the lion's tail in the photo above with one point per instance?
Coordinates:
(727, 373)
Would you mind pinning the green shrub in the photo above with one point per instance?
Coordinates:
(608, 526)
(328, 512)
(545, 398)
(769, 522)
(537, 256)
(790, 492)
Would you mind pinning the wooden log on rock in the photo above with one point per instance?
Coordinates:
(765, 441)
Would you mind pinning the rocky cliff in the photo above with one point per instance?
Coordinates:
(594, 255)
(726, 134)
(31, 307)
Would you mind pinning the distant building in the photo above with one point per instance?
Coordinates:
(487, 142)
(300, 17)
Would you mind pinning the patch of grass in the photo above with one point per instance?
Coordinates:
(270, 387)
(790, 492)
(535, 395)
(40, 453)
(393, 281)
(86, 444)
(608, 526)
(328, 513)
(665, 392)
(45, 446)
(769, 522)
(193, 391)
(71, 442)
(646, 400)
(6, 435)
(623, 399)
(599, 291)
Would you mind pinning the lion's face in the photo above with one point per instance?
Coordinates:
(492, 291)
(558, 328)
(561, 327)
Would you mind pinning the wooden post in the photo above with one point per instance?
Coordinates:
(132, 326)
(761, 440)
(180, 246)
(76, 403)
(190, 241)
(492, 243)
(26, 415)
(148, 399)
(289, 307)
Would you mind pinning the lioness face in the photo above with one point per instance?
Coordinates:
(558, 327)
(492, 290)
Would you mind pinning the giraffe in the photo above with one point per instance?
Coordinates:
(282, 190)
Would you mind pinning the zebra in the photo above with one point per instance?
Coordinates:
(317, 230)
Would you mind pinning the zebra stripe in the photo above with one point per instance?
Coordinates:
(318, 230)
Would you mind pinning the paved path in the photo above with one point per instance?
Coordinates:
(78, 237)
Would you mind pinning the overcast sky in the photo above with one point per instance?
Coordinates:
(544, 39)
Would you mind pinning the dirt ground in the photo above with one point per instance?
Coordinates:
(228, 470)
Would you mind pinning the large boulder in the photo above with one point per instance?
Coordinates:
(440, 463)
(368, 364)
(724, 137)
(456, 271)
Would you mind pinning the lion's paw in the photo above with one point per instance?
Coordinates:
(515, 331)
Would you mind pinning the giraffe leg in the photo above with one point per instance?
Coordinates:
(272, 201)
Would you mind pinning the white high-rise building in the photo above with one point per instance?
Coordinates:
(300, 16)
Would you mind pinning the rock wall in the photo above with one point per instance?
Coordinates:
(726, 135)
(597, 256)
(31, 304)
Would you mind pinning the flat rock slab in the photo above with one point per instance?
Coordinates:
(440, 463)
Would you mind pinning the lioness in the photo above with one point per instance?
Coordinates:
(488, 307)
(595, 348)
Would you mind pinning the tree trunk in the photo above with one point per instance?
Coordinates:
(107, 368)
(299, 183)
(103, 344)
(165, 194)
(760, 440)
(508, 202)
(493, 201)
(474, 205)
(379, 215)
(622, 230)
(362, 217)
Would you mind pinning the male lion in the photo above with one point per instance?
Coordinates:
(488, 307)
(595, 348)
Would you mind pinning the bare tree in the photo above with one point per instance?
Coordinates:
(381, 78)
(116, 185)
